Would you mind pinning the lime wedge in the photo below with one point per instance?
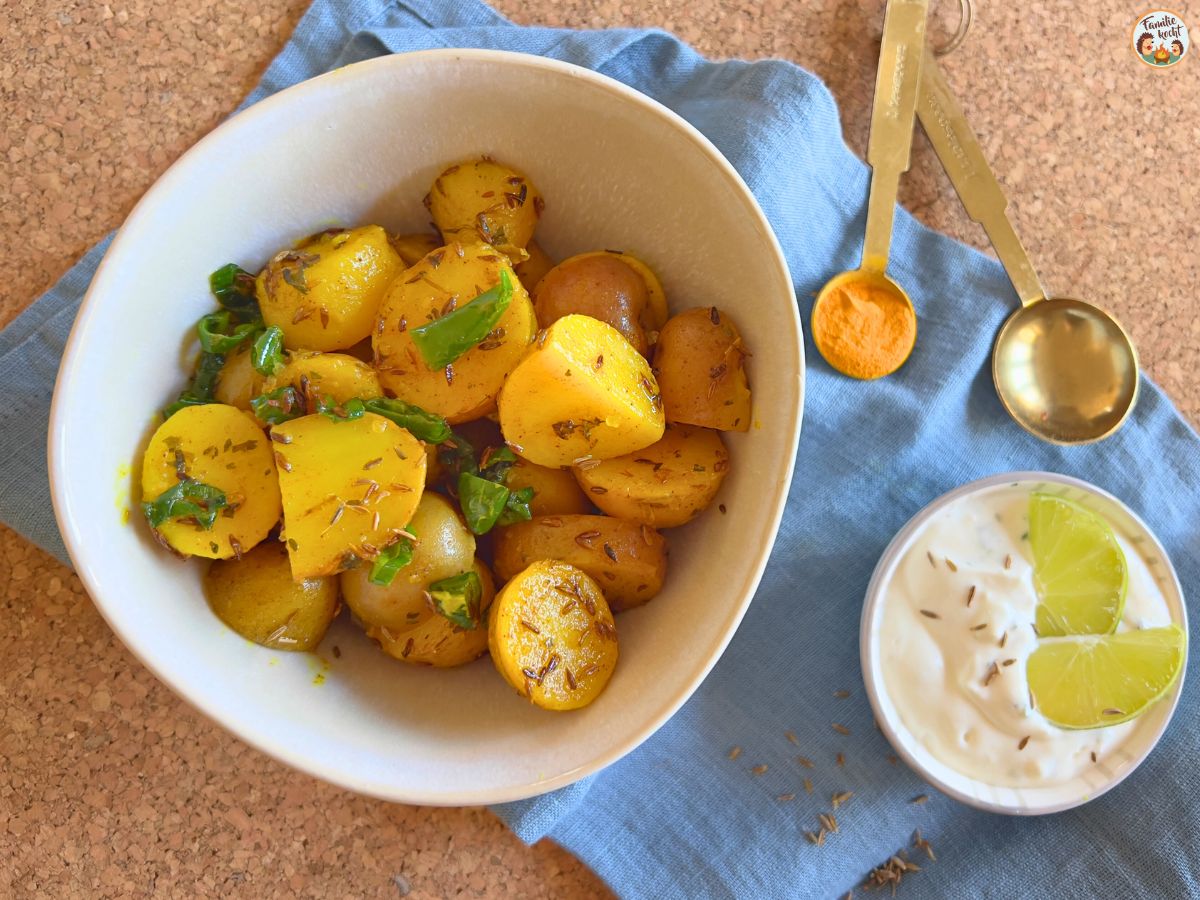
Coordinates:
(1090, 681)
(1079, 568)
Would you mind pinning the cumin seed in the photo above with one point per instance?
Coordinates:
(841, 759)
(920, 799)
(971, 595)
(932, 561)
(808, 786)
(735, 752)
(929, 614)
(1024, 743)
(841, 695)
(791, 736)
(840, 729)
(806, 762)
(760, 769)
(1008, 561)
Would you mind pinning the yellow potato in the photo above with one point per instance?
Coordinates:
(443, 281)
(583, 391)
(663, 485)
(433, 465)
(552, 636)
(256, 597)
(699, 361)
(222, 447)
(412, 247)
(555, 491)
(349, 489)
(318, 376)
(238, 381)
(627, 559)
(325, 293)
(483, 200)
(599, 285)
(436, 641)
(655, 314)
(535, 267)
(443, 548)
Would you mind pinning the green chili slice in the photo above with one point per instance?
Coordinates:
(458, 598)
(187, 499)
(422, 425)
(267, 352)
(482, 502)
(278, 406)
(444, 340)
(233, 287)
(215, 336)
(202, 387)
(390, 561)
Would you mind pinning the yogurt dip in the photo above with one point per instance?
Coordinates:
(954, 634)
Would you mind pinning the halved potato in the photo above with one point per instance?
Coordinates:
(257, 598)
(555, 491)
(436, 641)
(532, 269)
(220, 446)
(349, 489)
(599, 285)
(336, 376)
(483, 200)
(447, 279)
(412, 247)
(628, 560)
(583, 391)
(238, 381)
(443, 548)
(699, 361)
(325, 292)
(663, 485)
(552, 636)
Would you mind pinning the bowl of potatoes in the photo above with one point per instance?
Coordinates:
(428, 424)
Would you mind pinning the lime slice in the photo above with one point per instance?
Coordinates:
(1078, 568)
(1090, 681)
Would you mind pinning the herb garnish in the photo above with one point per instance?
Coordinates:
(278, 406)
(482, 495)
(187, 499)
(233, 287)
(267, 352)
(457, 598)
(390, 561)
(445, 339)
(215, 336)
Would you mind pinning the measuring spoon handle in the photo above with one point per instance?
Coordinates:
(896, 87)
(958, 148)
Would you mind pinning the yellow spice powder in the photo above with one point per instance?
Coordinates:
(864, 330)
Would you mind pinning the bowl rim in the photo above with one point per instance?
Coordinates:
(873, 679)
(261, 738)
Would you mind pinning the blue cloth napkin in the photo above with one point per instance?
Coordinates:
(677, 818)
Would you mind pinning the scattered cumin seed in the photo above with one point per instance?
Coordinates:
(830, 821)
(992, 672)
(971, 595)
(950, 565)
(979, 627)
(529, 626)
(735, 752)
(932, 561)
(610, 552)
(1008, 662)
(1008, 561)
(920, 799)
(373, 463)
(1024, 743)
(893, 759)
(1003, 639)
(784, 798)
(841, 695)
(810, 837)
(1113, 711)
(714, 316)
(280, 438)
(337, 514)
(570, 676)
(840, 729)
(929, 614)
(1093, 756)
(821, 837)
(808, 786)
(791, 736)
(841, 759)
(585, 538)
(806, 762)
(841, 797)
(760, 769)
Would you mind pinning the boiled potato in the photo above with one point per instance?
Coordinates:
(443, 548)
(325, 293)
(552, 636)
(349, 489)
(223, 447)
(238, 381)
(256, 597)
(531, 270)
(336, 376)
(433, 465)
(699, 362)
(583, 391)
(627, 559)
(555, 491)
(483, 200)
(447, 279)
(599, 285)
(663, 485)
(412, 247)
(436, 641)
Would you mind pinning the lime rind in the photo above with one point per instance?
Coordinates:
(1094, 681)
(1079, 569)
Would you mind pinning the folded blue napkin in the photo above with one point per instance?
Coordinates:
(677, 817)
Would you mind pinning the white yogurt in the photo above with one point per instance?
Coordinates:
(935, 666)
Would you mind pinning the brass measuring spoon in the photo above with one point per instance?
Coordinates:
(1064, 369)
(892, 115)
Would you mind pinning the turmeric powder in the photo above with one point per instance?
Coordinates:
(864, 329)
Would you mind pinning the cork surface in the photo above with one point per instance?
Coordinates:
(109, 785)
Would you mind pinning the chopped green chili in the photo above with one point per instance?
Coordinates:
(187, 499)
(215, 336)
(445, 339)
(202, 387)
(390, 561)
(424, 426)
(233, 287)
(341, 412)
(458, 598)
(267, 353)
(482, 502)
(278, 406)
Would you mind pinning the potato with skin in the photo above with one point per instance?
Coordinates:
(349, 489)
(337, 376)
(552, 636)
(238, 381)
(583, 391)
(436, 641)
(220, 446)
(412, 247)
(325, 292)
(451, 278)
(663, 485)
(483, 200)
(257, 598)
(532, 269)
(599, 285)
(555, 491)
(628, 560)
(699, 362)
(443, 548)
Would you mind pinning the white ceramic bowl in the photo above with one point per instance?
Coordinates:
(1115, 767)
(362, 144)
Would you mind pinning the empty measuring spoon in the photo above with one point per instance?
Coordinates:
(1064, 369)
(853, 308)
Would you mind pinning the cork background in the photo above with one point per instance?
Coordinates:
(109, 785)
